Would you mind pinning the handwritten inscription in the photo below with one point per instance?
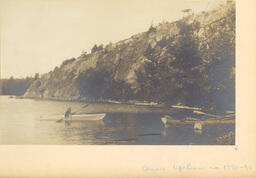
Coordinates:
(153, 169)
(225, 167)
(191, 167)
(188, 166)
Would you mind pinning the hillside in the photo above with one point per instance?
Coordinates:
(190, 61)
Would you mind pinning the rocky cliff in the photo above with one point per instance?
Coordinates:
(189, 61)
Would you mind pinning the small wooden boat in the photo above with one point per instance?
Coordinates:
(185, 107)
(198, 124)
(76, 117)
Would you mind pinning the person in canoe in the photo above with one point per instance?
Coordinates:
(68, 113)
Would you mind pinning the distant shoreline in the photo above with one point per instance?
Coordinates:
(133, 106)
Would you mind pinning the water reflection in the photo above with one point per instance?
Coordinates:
(81, 132)
(86, 123)
(164, 132)
(197, 131)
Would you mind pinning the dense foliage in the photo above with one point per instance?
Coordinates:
(194, 69)
(13, 86)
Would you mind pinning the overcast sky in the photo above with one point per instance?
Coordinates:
(37, 35)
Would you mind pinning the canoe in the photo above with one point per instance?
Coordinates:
(82, 117)
(76, 117)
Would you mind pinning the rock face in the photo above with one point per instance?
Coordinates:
(171, 58)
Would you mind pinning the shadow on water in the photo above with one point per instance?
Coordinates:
(118, 128)
(132, 128)
(142, 129)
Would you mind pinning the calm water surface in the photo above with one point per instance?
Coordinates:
(21, 123)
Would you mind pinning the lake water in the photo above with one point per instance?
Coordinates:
(21, 123)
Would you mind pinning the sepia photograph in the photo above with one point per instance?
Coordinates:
(117, 72)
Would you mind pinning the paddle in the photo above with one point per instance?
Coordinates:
(60, 120)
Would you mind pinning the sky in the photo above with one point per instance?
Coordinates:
(37, 35)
